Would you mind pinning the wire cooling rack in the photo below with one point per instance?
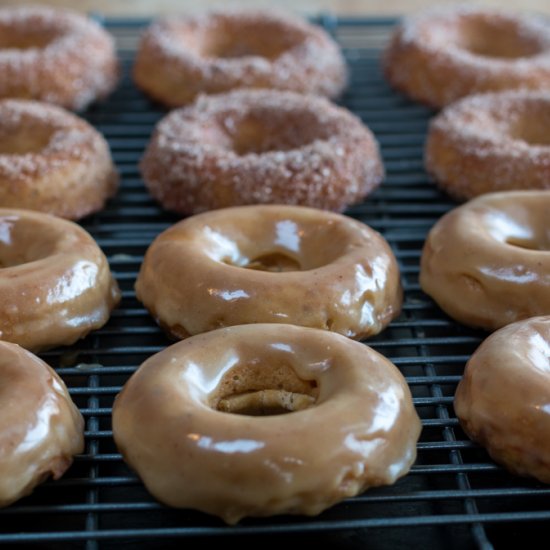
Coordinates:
(454, 496)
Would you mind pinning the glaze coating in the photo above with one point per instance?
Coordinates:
(55, 283)
(270, 264)
(40, 427)
(487, 262)
(357, 430)
(503, 400)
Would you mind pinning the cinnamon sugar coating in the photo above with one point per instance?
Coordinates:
(261, 146)
(40, 427)
(271, 264)
(503, 400)
(358, 428)
(55, 283)
(55, 55)
(443, 54)
(487, 262)
(491, 142)
(52, 161)
(181, 57)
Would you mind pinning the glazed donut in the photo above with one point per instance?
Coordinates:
(40, 427)
(270, 264)
(201, 422)
(443, 54)
(261, 146)
(52, 161)
(180, 58)
(487, 262)
(55, 55)
(502, 400)
(491, 142)
(55, 283)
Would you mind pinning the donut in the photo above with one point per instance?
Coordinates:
(502, 399)
(179, 58)
(55, 55)
(52, 161)
(202, 422)
(55, 283)
(270, 264)
(40, 427)
(487, 262)
(442, 54)
(258, 147)
(491, 142)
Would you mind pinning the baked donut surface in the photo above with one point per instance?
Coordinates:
(40, 427)
(52, 161)
(353, 424)
(491, 142)
(270, 264)
(55, 283)
(487, 263)
(181, 57)
(502, 400)
(261, 146)
(443, 54)
(55, 55)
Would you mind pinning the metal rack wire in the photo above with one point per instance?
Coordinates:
(454, 497)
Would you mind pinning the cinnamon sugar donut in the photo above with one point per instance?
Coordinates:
(443, 54)
(487, 262)
(52, 161)
(55, 283)
(201, 422)
(502, 400)
(270, 264)
(491, 142)
(54, 55)
(40, 427)
(181, 57)
(261, 146)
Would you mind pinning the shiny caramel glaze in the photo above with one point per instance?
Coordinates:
(261, 147)
(444, 53)
(491, 142)
(40, 427)
(270, 264)
(359, 430)
(55, 55)
(503, 400)
(487, 262)
(52, 161)
(55, 282)
(179, 58)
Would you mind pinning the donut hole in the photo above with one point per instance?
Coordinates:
(274, 262)
(521, 225)
(276, 245)
(496, 38)
(533, 127)
(261, 389)
(22, 243)
(27, 39)
(233, 38)
(534, 135)
(265, 130)
(25, 140)
(530, 243)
